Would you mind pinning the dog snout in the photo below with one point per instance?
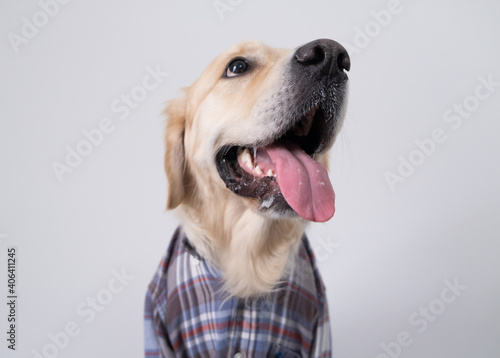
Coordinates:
(324, 60)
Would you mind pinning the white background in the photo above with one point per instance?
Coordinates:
(384, 256)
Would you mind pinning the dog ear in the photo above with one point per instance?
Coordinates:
(175, 160)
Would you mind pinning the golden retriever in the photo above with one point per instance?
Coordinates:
(246, 159)
(246, 152)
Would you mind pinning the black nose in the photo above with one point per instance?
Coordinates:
(324, 60)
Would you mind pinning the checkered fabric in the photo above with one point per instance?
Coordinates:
(188, 315)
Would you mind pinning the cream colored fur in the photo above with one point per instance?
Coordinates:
(252, 249)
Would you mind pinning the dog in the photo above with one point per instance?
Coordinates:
(246, 162)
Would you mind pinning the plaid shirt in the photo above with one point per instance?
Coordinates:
(187, 314)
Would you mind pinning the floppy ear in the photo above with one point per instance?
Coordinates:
(174, 153)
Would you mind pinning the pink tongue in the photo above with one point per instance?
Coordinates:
(303, 182)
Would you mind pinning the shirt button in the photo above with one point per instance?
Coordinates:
(196, 262)
(238, 355)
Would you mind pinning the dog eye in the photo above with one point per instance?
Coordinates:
(237, 67)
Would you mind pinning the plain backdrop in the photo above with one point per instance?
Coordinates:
(388, 256)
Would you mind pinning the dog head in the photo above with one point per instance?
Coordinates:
(255, 128)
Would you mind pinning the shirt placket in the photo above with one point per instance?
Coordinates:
(236, 330)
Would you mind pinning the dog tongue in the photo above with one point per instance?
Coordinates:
(303, 182)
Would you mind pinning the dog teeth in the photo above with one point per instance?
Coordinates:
(246, 158)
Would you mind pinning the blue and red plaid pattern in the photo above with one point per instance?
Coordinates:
(187, 314)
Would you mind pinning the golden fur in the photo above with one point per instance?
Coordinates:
(251, 248)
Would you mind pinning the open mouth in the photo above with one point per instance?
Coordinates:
(283, 174)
